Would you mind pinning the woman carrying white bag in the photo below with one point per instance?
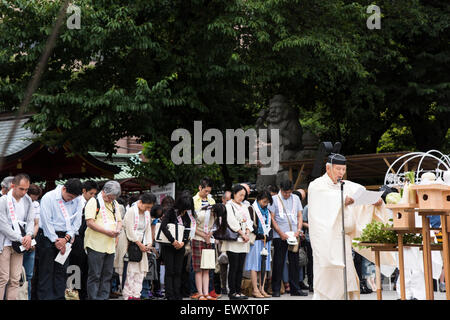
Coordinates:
(203, 256)
(136, 241)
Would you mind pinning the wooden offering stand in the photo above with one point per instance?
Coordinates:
(434, 199)
(377, 248)
(402, 218)
(404, 222)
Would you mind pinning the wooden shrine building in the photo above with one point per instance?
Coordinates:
(44, 163)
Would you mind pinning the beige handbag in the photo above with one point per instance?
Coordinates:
(208, 260)
(23, 286)
(294, 248)
(71, 294)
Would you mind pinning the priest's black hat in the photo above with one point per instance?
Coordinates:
(336, 158)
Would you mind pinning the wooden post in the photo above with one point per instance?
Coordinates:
(299, 177)
(378, 274)
(388, 164)
(290, 174)
(401, 266)
(427, 258)
(446, 255)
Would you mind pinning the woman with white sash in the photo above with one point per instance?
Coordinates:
(137, 226)
(262, 229)
(238, 221)
(203, 240)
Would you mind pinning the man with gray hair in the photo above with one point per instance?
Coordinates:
(226, 197)
(104, 223)
(6, 185)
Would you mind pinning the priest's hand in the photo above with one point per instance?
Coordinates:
(378, 203)
(348, 200)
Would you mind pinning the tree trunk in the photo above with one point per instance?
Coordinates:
(226, 176)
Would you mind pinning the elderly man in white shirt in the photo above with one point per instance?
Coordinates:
(16, 228)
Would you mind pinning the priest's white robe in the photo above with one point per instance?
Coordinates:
(325, 230)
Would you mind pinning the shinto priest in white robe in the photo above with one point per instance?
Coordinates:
(325, 231)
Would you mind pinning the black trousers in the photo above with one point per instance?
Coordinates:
(34, 280)
(78, 257)
(357, 260)
(309, 266)
(156, 284)
(173, 261)
(280, 248)
(52, 276)
(185, 281)
(236, 263)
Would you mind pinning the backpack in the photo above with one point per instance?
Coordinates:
(83, 226)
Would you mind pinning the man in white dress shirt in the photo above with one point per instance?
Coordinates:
(16, 212)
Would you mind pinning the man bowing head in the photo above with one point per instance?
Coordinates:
(325, 230)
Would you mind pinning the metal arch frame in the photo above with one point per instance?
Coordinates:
(392, 165)
(414, 155)
(428, 153)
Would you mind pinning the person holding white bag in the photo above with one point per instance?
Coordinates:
(200, 244)
(58, 221)
(138, 233)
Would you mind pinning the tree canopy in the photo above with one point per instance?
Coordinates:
(145, 68)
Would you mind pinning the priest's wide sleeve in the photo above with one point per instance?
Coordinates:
(349, 221)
